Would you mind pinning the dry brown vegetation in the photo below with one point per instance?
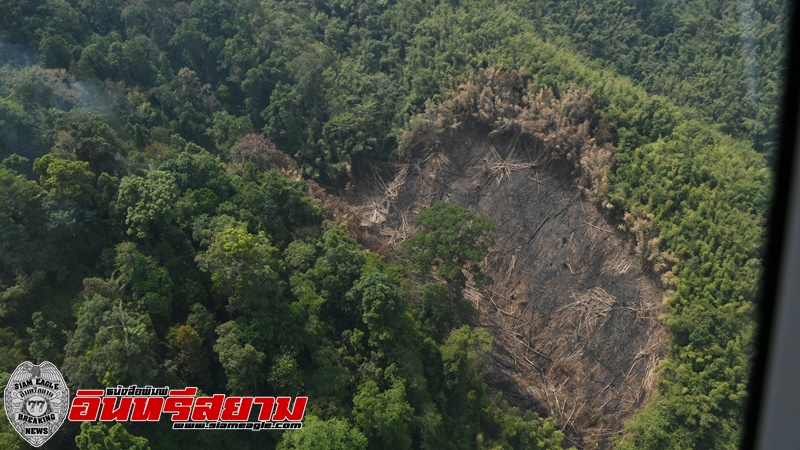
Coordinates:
(574, 308)
(257, 152)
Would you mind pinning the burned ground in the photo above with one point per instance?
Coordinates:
(573, 310)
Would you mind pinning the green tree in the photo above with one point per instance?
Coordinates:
(9, 438)
(19, 132)
(111, 345)
(54, 51)
(148, 203)
(21, 219)
(90, 139)
(74, 213)
(47, 339)
(228, 129)
(149, 284)
(451, 244)
(334, 272)
(275, 205)
(10, 360)
(243, 364)
(198, 171)
(103, 15)
(383, 307)
(286, 376)
(452, 240)
(528, 431)
(66, 180)
(465, 354)
(139, 60)
(329, 382)
(202, 321)
(22, 225)
(384, 416)
(92, 63)
(244, 268)
(190, 47)
(331, 434)
(99, 437)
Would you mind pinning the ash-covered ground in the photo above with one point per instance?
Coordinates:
(574, 312)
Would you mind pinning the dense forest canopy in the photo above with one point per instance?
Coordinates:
(163, 218)
(724, 59)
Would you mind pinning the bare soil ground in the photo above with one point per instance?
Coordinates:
(574, 312)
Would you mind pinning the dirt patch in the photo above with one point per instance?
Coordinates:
(574, 312)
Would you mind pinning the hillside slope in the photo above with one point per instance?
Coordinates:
(107, 105)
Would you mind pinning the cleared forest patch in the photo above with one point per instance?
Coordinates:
(574, 311)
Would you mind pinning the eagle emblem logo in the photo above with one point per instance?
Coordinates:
(37, 401)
